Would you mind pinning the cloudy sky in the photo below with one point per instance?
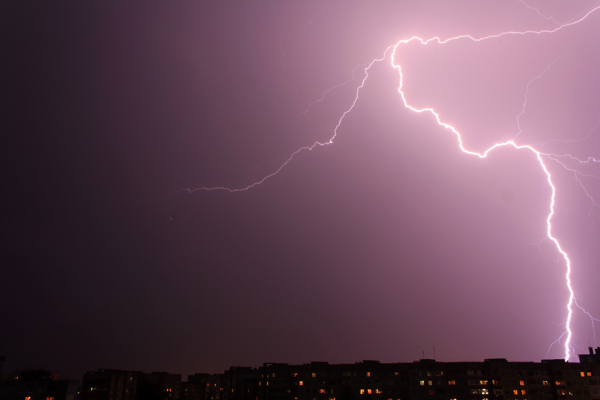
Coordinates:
(380, 245)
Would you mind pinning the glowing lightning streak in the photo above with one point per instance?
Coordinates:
(484, 155)
(538, 154)
(301, 149)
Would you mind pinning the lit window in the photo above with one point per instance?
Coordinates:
(295, 374)
(322, 391)
(369, 391)
(429, 383)
(523, 392)
(368, 374)
(422, 383)
(522, 383)
(495, 382)
(451, 382)
(582, 374)
(516, 392)
(27, 398)
(314, 375)
(589, 374)
(545, 383)
(378, 391)
(483, 382)
(559, 383)
(300, 383)
(362, 391)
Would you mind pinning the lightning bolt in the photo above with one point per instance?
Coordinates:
(390, 52)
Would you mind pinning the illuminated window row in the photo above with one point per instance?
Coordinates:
(370, 391)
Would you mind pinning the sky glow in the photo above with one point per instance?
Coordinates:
(195, 185)
(569, 350)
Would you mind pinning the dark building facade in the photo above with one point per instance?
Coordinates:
(495, 379)
(37, 384)
(491, 379)
(114, 384)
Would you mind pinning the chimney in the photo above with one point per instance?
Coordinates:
(591, 351)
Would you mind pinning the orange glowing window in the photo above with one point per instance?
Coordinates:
(451, 382)
(516, 392)
(522, 383)
(27, 398)
(523, 392)
(322, 391)
(369, 391)
(378, 391)
(589, 374)
(582, 374)
(362, 391)
(314, 375)
(368, 374)
(300, 383)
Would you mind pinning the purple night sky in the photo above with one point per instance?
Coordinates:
(381, 245)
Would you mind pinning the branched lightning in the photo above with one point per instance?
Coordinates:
(519, 130)
(391, 52)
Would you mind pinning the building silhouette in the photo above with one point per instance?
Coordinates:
(37, 384)
(426, 379)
